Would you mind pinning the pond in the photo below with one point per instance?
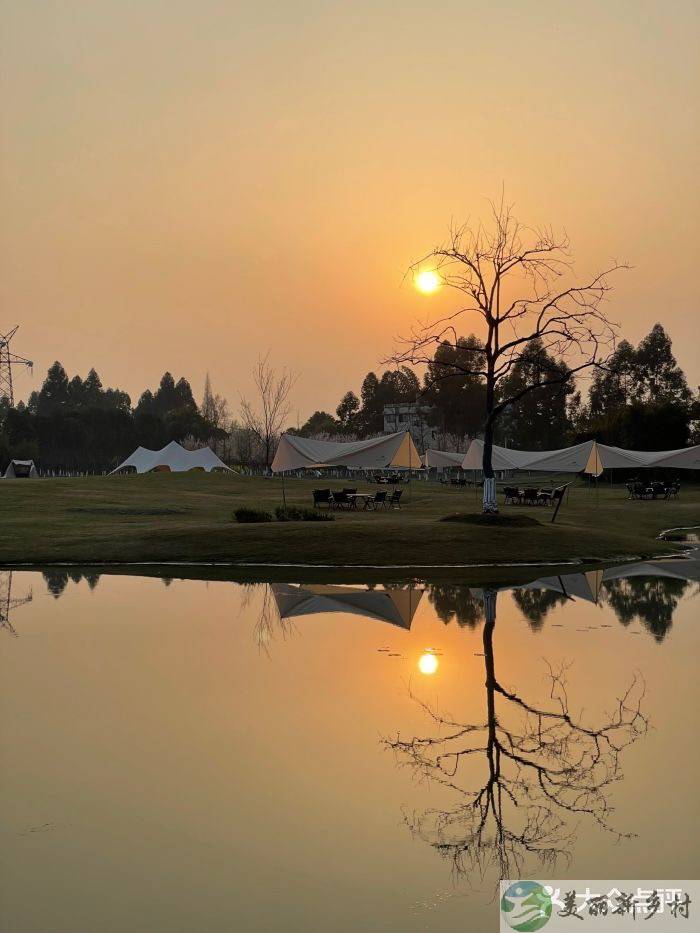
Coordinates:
(184, 755)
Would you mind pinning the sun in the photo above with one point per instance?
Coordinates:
(427, 281)
(428, 663)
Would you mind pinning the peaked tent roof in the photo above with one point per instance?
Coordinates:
(391, 450)
(21, 469)
(173, 457)
(396, 605)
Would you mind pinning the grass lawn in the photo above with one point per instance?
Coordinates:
(188, 517)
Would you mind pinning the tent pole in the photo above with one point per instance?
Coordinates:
(284, 494)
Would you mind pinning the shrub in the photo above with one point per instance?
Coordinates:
(245, 515)
(292, 513)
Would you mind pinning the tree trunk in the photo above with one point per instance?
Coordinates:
(490, 502)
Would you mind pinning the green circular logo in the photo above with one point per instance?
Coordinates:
(526, 906)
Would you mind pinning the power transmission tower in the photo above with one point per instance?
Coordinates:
(7, 361)
(7, 602)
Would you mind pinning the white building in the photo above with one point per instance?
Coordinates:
(412, 417)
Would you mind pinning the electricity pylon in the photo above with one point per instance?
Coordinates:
(7, 361)
(7, 602)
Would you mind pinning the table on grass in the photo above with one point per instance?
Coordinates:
(366, 497)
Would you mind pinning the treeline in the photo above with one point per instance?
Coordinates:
(79, 425)
(641, 400)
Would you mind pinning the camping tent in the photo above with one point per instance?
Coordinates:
(172, 458)
(588, 457)
(442, 458)
(396, 605)
(395, 451)
(21, 469)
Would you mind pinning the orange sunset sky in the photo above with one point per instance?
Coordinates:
(186, 184)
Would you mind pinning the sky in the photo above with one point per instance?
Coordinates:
(187, 185)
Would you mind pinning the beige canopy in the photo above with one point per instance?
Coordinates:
(442, 458)
(588, 457)
(395, 451)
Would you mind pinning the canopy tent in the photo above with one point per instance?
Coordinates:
(396, 605)
(442, 458)
(588, 457)
(390, 451)
(172, 458)
(21, 469)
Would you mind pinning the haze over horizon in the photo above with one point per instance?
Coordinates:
(186, 186)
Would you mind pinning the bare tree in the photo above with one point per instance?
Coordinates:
(545, 767)
(214, 408)
(265, 419)
(515, 278)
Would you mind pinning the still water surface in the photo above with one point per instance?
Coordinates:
(181, 755)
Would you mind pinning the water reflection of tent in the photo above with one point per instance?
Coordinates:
(572, 585)
(587, 585)
(396, 605)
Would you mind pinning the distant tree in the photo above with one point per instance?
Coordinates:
(321, 422)
(511, 277)
(347, 412)
(54, 394)
(611, 386)
(656, 376)
(540, 420)
(457, 397)
(264, 417)
(214, 408)
(641, 400)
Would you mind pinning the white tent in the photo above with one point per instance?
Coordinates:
(588, 457)
(21, 469)
(172, 458)
(442, 458)
(392, 450)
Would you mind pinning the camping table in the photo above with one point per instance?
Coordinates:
(368, 498)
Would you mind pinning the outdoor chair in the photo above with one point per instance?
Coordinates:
(349, 492)
(341, 500)
(394, 501)
(544, 496)
(530, 496)
(379, 500)
(672, 490)
(322, 497)
(512, 495)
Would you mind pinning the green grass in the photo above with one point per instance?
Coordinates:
(188, 517)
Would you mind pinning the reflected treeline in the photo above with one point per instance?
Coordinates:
(457, 603)
(57, 580)
(650, 600)
(536, 605)
(522, 777)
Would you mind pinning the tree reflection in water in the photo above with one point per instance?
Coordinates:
(652, 600)
(456, 602)
(545, 767)
(57, 580)
(536, 605)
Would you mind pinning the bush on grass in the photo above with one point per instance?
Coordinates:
(246, 515)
